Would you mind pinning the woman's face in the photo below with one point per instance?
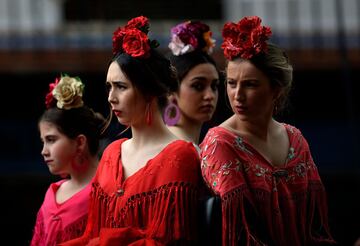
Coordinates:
(198, 93)
(126, 102)
(59, 151)
(249, 91)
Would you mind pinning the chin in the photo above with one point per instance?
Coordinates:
(123, 122)
(202, 120)
(54, 172)
(206, 118)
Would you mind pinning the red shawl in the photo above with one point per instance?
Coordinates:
(154, 206)
(263, 204)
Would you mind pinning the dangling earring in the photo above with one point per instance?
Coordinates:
(171, 114)
(275, 110)
(148, 114)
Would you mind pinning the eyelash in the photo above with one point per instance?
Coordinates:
(198, 86)
(118, 86)
(230, 83)
(48, 140)
(246, 84)
(215, 85)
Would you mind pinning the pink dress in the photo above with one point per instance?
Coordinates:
(56, 223)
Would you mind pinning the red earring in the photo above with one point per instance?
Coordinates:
(148, 114)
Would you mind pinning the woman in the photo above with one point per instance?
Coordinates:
(70, 133)
(144, 191)
(195, 101)
(262, 169)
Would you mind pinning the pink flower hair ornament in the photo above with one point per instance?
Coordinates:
(245, 39)
(190, 36)
(132, 39)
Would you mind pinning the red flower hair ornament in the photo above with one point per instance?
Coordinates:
(132, 39)
(245, 39)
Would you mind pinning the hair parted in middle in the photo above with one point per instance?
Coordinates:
(248, 40)
(66, 110)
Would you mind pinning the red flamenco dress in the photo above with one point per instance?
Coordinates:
(263, 204)
(154, 206)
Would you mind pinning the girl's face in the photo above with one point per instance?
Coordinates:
(198, 93)
(250, 93)
(125, 100)
(59, 151)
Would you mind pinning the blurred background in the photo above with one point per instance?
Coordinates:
(39, 39)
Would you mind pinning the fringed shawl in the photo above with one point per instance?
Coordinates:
(154, 206)
(263, 204)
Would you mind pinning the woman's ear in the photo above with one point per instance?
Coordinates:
(173, 98)
(81, 142)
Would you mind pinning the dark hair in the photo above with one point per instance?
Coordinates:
(184, 63)
(153, 76)
(75, 121)
(275, 64)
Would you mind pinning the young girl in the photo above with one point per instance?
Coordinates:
(195, 101)
(70, 134)
(145, 189)
(262, 169)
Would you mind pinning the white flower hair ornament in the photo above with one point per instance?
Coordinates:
(66, 91)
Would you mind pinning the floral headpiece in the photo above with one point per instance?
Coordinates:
(245, 38)
(66, 91)
(132, 39)
(189, 36)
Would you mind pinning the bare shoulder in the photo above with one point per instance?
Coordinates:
(181, 148)
(279, 129)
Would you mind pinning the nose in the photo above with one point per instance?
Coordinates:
(239, 94)
(44, 151)
(111, 97)
(209, 94)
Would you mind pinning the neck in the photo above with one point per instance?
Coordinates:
(187, 130)
(83, 177)
(144, 134)
(259, 128)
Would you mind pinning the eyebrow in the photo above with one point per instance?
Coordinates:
(198, 78)
(116, 82)
(48, 136)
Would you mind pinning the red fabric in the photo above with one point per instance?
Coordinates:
(157, 204)
(56, 223)
(263, 204)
